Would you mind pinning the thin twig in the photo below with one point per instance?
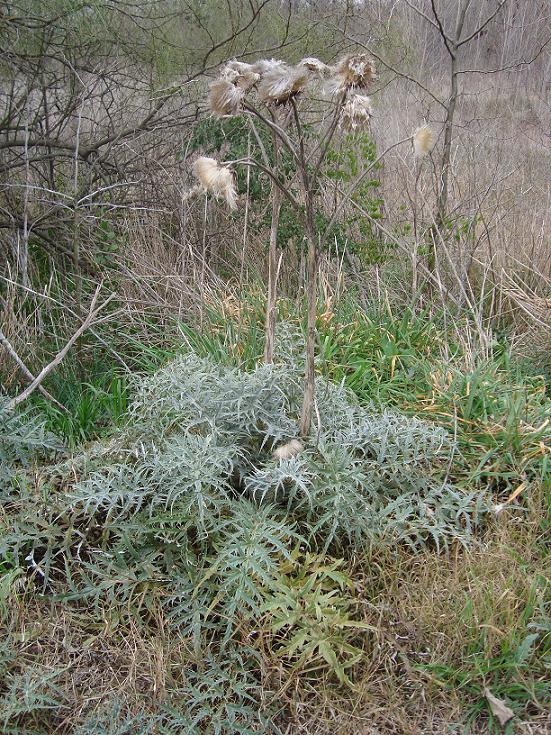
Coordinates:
(93, 311)
(4, 341)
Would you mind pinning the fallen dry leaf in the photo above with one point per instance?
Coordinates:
(499, 708)
(516, 493)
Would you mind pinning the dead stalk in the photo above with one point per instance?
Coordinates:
(93, 312)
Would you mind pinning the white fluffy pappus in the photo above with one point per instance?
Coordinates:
(240, 74)
(263, 66)
(225, 98)
(422, 141)
(356, 112)
(355, 71)
(315, 66)
(280, 82)
(291, 449)
(216, 179)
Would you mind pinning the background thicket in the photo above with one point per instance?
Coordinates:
(161, 570)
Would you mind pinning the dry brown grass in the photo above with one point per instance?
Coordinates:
(419, 607)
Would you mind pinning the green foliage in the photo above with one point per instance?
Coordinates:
(183, 514)
(504, 672)
(227, 342)
(251, 543)
(199, 436)
(23, 439)
(309, 615)
(29, 694)
(9, 580)
(497, 413)
(185, 508)
(101, 401)
(355, 231)
(233, 135)
(290, 228)
(222, 695)
(114, 719)
(91, 407)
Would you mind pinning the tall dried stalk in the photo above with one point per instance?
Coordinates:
(282, 85)
(271, 301)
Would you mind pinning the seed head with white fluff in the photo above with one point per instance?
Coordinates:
(240, 74)
(356, 112)
(216, 179)
(291, 449)
(280, 83)
(225, 98)
(263, 66)
(355, 71)
(422, 141)
(317, 67)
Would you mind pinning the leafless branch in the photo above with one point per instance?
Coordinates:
(448, 42)
(25, 370)
(509, 67)
(480, 28)
(91, 317)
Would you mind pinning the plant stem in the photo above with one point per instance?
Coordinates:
(271, 304)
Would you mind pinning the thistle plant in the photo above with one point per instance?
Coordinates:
(23, 439)
(207, 509)
(278, 96)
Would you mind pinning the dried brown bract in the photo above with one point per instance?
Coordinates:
(352, 72)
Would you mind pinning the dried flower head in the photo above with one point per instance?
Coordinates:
(225, 98)
(356, 112)
(263, 66)
(229, 72)
(352, 72)
(240, 74)
(247, 80)
(422, 141)
(316, 66)
(216, 179)
(280, 83)
(291, 449)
